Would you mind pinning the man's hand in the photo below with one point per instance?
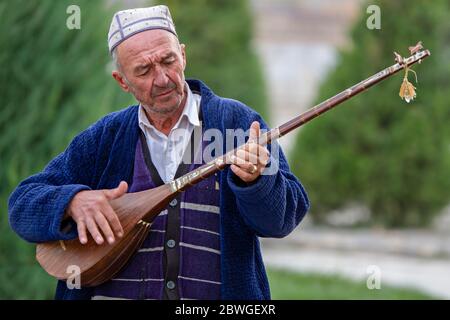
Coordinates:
(250, 160)
(91, 210)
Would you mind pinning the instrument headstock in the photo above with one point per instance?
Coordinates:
(407, 90)
(418, 52)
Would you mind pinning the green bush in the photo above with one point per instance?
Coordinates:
(376, 149)
(55, 82)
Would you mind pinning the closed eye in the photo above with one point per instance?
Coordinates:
(142, 71)
(169, 60)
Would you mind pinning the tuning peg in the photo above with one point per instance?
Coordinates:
(416, 48)
(398, 58)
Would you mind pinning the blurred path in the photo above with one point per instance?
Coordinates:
(412, 258)
(297, 41)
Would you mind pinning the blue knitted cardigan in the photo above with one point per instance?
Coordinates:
(103, 155)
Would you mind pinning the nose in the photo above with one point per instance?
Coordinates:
(161, 79)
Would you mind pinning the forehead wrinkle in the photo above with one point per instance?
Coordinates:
(142, 48)
(145, 60)
(153, 57)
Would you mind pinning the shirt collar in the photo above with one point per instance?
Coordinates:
(190, 112)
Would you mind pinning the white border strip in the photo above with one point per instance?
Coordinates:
(202, 230)
(200, 280)
(200, 207)
(183, 244)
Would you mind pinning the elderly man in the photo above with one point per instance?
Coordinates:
(205, 244)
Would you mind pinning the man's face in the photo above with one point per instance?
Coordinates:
(152, 67)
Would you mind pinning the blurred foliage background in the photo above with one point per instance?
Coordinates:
(375, 149)
(55, 82)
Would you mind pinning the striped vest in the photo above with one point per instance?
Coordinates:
(180, 258)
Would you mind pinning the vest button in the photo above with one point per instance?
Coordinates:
(170, 285)
(173, 203)
(171, 243)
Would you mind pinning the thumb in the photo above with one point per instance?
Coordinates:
(254, 131)
(116, 192)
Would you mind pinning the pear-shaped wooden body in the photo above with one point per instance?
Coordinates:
(99, 263)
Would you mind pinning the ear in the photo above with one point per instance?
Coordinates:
(183, 55)
(120, 80)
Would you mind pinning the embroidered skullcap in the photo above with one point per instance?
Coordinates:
(127, 23)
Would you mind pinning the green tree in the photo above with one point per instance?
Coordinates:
(376, 149)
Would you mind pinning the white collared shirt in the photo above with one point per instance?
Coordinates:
(167, 151)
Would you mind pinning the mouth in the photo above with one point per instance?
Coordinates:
(165, 94)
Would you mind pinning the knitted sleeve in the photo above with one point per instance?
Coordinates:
(276, 202)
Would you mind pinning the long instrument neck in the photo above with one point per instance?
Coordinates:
(221, 162)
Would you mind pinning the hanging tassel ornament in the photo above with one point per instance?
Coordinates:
(407, 90)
